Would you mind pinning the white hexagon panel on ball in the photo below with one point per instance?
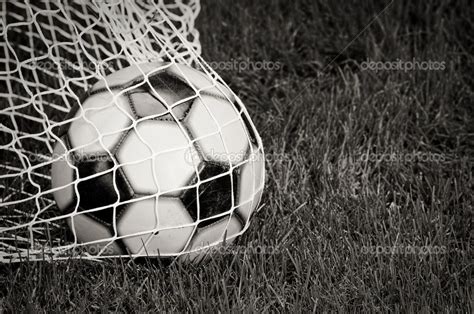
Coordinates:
(155, 158)
(98, 126)
(211, 238)
(88, 230)
(251, 183)
(218, 129)
(163, 226)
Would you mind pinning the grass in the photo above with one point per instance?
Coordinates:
(333, 198)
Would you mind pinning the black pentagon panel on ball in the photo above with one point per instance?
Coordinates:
(173, 88)
(214, 196)
(145, 101)
(99, 191)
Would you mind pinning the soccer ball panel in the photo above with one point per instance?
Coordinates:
(170, 88)
(156, 157)
(201, 81)
(89, 230)
(152, 215)
(163, 94)
(108, 119)
(212, 235)
(62, 174)
(169, 241)
(145, 104)
(126, 75)
(213, 122)
(251, 184)
(102, 186)
(213, 194)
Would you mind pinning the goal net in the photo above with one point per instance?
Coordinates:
(51, 53)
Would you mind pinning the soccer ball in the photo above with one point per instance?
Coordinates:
(158, 161)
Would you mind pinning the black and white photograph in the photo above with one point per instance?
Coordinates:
(218, 156)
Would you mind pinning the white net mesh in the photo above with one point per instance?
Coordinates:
(51, 54)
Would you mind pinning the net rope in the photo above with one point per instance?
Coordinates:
(51, 53)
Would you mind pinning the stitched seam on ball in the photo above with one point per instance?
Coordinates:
(132, 105)
(90, 215)
(185, 113)
(127, 182)
(120, 142)
(105, 89)
(207, 93)
(240, 219)
(121, 211)
(214, 223)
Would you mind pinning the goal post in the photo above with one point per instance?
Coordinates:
(51, 53)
